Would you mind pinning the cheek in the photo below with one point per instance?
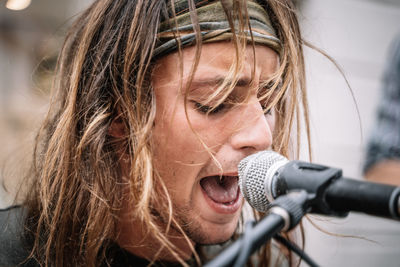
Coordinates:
(197, 134)
(178, 153)
(174, 136)
(172, 157)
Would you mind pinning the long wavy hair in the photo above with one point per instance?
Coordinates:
(103, 74)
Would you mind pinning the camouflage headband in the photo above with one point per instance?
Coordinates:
(214, 26)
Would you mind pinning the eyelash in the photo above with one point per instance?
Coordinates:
(214, 110)
(208, 109)
(205, 109)
(267, 111)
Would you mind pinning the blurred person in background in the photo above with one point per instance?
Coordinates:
(382, 162)
(154, 105)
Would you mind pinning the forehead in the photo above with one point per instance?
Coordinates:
(215, 60)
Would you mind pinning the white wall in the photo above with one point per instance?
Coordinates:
(27, 38)
(357, 35)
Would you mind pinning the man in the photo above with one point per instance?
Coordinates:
(205, 195)
(382, 163)
(155, 103)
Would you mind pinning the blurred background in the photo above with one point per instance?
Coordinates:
(31, 35)
(356, 33)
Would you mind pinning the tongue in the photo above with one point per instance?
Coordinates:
(221, 190)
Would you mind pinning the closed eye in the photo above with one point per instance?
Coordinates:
(268, 111)
(266, 95)
(205, 109)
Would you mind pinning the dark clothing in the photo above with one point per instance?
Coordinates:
(122, 258)
(12, 248)
(14, 251)
(384, 142)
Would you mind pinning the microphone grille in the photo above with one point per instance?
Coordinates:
(254, 171)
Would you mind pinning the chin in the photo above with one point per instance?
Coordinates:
(210, 234)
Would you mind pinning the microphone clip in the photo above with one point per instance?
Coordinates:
(313, 179)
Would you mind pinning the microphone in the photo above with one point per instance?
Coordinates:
(266, 175)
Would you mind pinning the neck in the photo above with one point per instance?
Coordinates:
(135, 236)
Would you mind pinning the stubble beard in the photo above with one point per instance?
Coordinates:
(190, 225)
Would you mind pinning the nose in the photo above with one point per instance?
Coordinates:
(253, 132)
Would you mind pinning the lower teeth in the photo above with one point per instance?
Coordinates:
(229, 203)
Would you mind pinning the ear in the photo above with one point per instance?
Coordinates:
(117, 128)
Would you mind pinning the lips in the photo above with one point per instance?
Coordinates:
(222, 193)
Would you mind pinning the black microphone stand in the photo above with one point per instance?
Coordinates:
(285, 213)
(322, 191)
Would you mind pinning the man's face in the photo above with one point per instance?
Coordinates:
(205, 196)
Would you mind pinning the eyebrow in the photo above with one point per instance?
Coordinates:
(218, 80)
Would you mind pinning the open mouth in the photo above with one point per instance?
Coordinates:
(221, 189)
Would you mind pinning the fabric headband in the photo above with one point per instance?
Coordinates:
(214, 26)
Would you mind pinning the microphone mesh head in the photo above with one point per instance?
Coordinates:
(254, 172)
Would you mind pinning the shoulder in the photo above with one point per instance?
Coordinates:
(12, 251)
